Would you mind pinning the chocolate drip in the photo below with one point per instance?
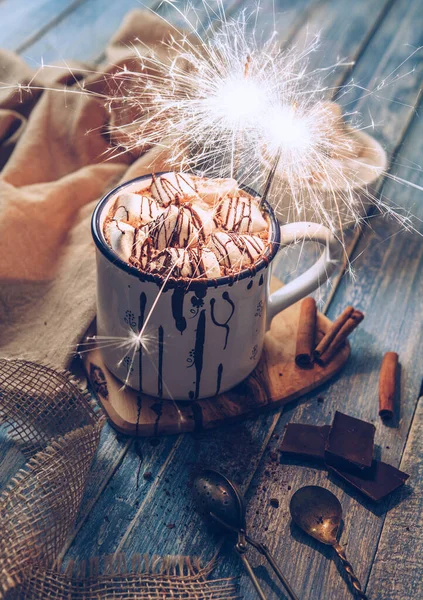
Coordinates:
(176, 237)
(198, 352)
(143, 254)
(151, 203)
(143, 302)
(197, 413)
(160, 365)
(261, 280)
(219, 378)
(178, 308)
(245, 207)
(241, 244)
(250, 285)
(225, 325)
(170, 190)
(157, 408)
(123, 208)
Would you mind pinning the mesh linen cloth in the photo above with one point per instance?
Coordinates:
(58, 428)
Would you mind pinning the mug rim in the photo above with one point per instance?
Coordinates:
(172, 282)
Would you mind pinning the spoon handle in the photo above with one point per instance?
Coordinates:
(252, 576)
(347, 566)
(262, 548)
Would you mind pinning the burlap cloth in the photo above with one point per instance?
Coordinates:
(56, 164)
(58, 428)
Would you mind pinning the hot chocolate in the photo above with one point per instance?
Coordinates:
(188, 226)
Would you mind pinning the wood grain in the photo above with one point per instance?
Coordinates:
(377, 59)
(397, 568)
(22, 22)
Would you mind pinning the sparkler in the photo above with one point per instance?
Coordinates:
(230, 106)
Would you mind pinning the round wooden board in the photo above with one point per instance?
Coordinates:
(276, 381)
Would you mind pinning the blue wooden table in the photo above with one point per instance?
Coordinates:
(384, 542)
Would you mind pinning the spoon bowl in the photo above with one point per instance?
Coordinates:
(318, 512)
(219, 498)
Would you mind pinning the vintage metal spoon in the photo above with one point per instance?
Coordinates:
(319, 513)
(220, 499)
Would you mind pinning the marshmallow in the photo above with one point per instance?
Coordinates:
(166, 188)
(196, 228)
(121, 238)
(197, 263)
(142, 249)
(241, 214)
(176, 260)
(235, 251)
(209, 265)
(213, 190)
(136, 209)
(180, 226)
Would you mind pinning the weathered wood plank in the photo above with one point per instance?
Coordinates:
(22, 21)
(389, 287)
(11, 459)
(380, 57)
(83, 35)
(235, 450)
(398, 567)
(163, 521)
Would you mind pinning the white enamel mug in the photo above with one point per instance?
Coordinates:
(200, 337)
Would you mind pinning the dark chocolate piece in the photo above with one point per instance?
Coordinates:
(349, 446)
(305, 441)
(377, 482)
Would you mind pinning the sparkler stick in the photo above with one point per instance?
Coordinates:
(270, 177)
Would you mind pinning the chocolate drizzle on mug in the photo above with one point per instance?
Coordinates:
(198, 353)
(143, 302)
(219, 378)
(178, 308)
(225, 325)
(157, 408)
(160, 365)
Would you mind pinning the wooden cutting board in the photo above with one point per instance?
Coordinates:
(275, 381)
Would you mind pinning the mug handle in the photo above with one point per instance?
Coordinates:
(315, 276)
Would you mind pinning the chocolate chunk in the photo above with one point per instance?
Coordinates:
(377, 482)
(349, 446)
(306, 441)
(274, 502)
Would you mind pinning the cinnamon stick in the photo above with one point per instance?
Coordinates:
(332, 331)
(338, 341)
(306, 334)
(388, 385)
